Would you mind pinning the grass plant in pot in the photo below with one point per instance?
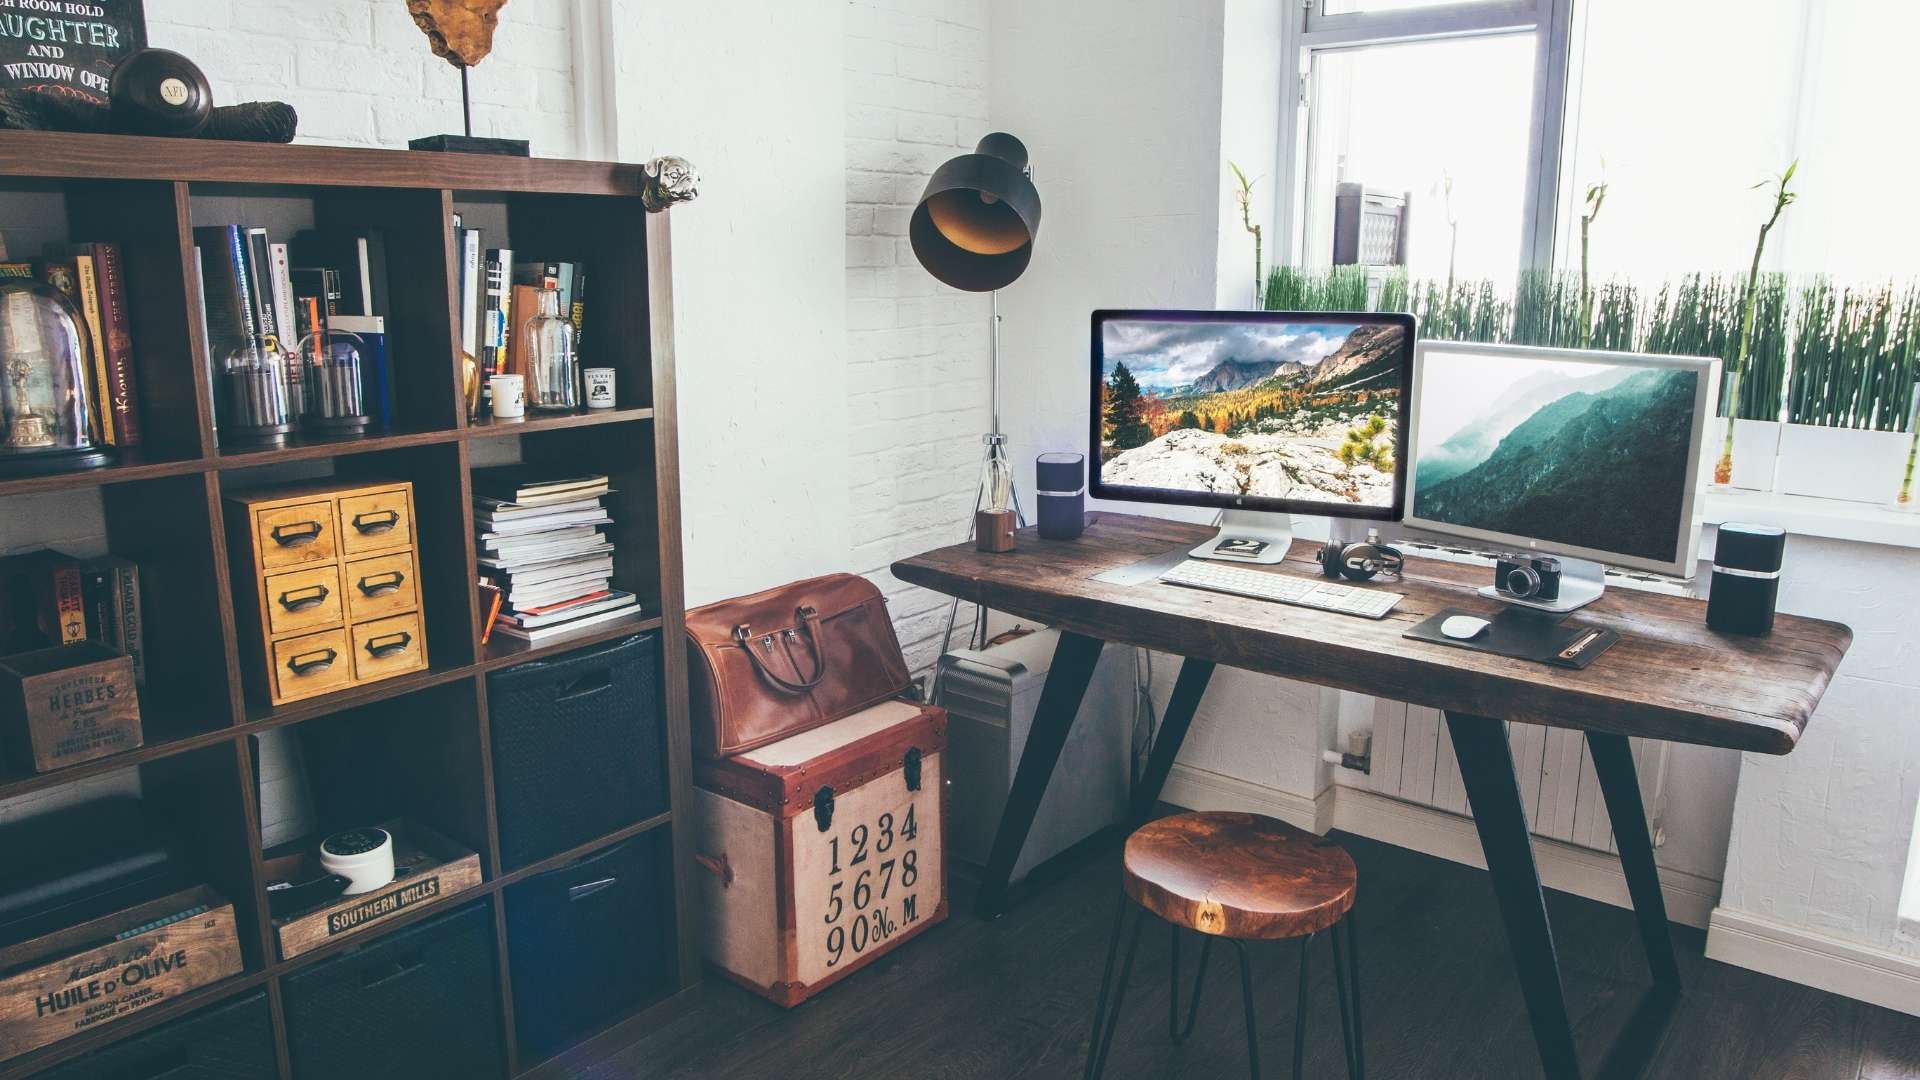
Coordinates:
(1851, 399)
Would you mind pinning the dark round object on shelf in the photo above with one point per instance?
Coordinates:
(159, 92)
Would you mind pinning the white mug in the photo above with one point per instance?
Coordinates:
(599, 387)
(509, 396)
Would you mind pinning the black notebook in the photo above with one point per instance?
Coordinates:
(1525, 634)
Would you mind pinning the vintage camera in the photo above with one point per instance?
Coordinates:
(1527, 578)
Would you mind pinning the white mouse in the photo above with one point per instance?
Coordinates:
(1462, 627)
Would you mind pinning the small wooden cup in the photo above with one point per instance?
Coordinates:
(993, 530)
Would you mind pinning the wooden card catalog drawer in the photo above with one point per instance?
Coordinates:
(380, 586)
(377, 521)
(388, 647)
(326, 580)
(304, 600)
(311, 664)
(295, 535)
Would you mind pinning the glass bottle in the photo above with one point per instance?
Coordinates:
(553, 371)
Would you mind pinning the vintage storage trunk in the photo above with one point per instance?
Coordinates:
(326, 581)
(823, 850)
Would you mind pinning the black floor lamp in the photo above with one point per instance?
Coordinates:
(974, 229)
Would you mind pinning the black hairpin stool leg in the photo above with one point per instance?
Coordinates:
(1346, 987)
(1246, 1002)
(1174, 1031)
(1106, 1018)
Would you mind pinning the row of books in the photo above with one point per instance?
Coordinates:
(499, 295)
(546, 561)
(258, 293)
(93, 276)
(49, 599)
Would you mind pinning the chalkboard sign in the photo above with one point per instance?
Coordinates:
(67, 47)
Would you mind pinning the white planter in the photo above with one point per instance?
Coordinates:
(1841, 463)
(1756, 452)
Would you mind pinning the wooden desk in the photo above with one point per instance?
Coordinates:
(1668, 678)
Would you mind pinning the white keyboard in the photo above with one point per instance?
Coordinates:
(1282, 588)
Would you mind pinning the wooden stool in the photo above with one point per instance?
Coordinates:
(1241, 877)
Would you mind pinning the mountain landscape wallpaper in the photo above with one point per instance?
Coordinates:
(1584, 454)
(1281, 411)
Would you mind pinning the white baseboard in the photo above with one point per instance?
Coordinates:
(1595, 875)
(1798, 955)
(1202, 789)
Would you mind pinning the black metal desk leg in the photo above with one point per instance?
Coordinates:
(1620, 783)
(1173, 731)
(1486, 771)
(1073, 663)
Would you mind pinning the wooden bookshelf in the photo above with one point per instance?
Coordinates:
(163, 508)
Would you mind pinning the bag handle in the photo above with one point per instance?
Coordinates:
(743, 634)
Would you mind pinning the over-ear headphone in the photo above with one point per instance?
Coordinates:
(1360, 562)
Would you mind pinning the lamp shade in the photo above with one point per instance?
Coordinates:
(975, 224)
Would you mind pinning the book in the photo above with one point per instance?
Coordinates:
(376, 379)
(497, 329)
(320, 282)
(260, 275)
(470, 293)
(229, 300)
(199, 300)
(16, 270)
(554, 571)
(569, 611)
(524, 304)
(359, 263)
(116, 327)
(543, 633)
(280, 273)
(110, 589)
(522, 483)
(534, 525)
(42, 601)
(518, 601)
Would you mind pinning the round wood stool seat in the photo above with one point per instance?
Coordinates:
(1240, 876)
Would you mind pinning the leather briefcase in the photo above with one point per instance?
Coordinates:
(762, 667)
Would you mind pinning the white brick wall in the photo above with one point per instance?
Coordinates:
(360, 73)
(917, 351)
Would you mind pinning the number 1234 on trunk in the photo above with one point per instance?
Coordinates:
(823, 850)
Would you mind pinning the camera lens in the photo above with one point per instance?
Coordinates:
(1522, 581)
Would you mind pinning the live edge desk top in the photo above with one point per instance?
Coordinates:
(1669, 677)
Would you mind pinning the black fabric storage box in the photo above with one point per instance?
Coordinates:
(229, 1041)
(578, 747)
(587, 942)
(417, 1002)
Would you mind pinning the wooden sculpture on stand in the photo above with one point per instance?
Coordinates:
(461, 33)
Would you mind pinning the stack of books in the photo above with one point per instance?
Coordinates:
(541, 541)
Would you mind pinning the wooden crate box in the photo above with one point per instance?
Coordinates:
(824, 850)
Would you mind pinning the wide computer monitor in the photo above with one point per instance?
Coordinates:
(1584, 454)
(1284, 412)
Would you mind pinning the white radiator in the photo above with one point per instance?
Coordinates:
(1413, 761)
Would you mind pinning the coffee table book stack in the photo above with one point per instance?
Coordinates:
(416, 745)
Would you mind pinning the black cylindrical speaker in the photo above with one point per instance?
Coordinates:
(1061, 481)
(1746, 578)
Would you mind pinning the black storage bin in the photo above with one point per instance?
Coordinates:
(588, 942)
(229, 1041)
(423, 1001)
(578, 747)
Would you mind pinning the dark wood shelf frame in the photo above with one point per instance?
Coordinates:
(163, 506)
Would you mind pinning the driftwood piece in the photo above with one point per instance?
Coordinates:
(459, 31)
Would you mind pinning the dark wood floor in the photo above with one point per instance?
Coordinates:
(1014, 999)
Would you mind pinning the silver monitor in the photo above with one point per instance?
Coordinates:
(1580, 454)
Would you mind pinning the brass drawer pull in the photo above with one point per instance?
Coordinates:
(321, 660)
(296, 534)
(302, 599)
(381, 584)
(375, 522)
(388, 644)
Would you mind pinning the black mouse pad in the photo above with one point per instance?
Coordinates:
(1525, 635)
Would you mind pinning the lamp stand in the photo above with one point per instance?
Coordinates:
(995, 443)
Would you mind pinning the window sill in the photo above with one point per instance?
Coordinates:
(1803, 515)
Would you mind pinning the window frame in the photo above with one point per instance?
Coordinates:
(1549, 21)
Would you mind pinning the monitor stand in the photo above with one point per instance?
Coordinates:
(1581, 583)
(1249, 536)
